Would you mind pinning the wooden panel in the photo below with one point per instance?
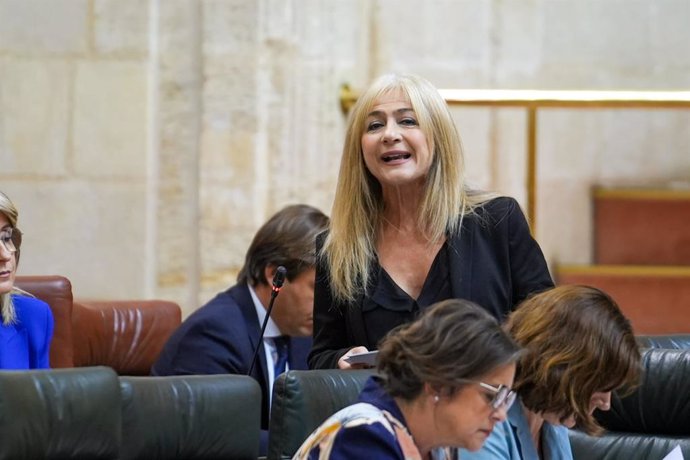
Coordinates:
(642, 227)
(655, 299)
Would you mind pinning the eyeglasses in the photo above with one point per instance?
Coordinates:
(504, 397)
(11, 239)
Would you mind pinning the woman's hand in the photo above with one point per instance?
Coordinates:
(342, 364)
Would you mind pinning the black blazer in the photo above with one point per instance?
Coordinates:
(220, 338)
(494, 261)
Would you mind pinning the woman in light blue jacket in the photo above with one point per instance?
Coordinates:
(578, 348)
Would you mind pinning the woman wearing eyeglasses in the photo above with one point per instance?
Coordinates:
(444, 381)
(26, 328)
(578, 348)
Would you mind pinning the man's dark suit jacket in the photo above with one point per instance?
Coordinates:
(494, 262)
(220, 338)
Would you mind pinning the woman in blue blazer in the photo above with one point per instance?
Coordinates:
(26, 326)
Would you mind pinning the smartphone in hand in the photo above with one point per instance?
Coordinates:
(368, 358)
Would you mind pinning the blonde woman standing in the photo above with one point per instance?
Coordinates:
(407, 231)
(27, 323)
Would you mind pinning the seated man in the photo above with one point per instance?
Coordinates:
(221, 336)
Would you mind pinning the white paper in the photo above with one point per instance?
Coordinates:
(675, 454)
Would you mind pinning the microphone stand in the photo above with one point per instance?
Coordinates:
(278, 280)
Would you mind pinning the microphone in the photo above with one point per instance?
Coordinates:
(278, 280)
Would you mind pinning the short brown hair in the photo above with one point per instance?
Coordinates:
(576, 342)
(451, 341)
(288, 238)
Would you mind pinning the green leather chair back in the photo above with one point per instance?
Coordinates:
(650, 421)
(669, 341)
(190, 417)
(60, 413)
(302, 400)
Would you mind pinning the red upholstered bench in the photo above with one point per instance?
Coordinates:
(126, 335)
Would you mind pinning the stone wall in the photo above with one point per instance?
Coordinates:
(146, 141)
(73, 139)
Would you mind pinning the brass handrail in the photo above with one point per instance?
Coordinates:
(532, 100)
(567, 99)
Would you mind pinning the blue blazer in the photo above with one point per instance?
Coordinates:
(26, 343)
(220, 338)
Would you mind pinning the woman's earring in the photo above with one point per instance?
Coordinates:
(435, 399)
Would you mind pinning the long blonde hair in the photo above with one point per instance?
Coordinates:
(9, 315)
(358, 205)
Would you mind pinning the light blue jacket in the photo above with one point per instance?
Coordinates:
(512, 440)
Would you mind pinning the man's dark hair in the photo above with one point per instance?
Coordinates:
(288, 239)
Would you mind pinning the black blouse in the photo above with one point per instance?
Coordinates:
(492, 260)
(388, 305)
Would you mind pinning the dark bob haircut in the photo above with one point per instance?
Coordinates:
(452, 341)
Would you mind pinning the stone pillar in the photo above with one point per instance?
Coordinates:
(178, 82)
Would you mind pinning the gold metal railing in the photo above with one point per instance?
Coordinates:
(533, 100)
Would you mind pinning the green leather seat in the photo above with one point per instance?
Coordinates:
(90, 413)
(190, 417)
(61, 413)
(669, 341)
(302, 400)
(650, 421)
